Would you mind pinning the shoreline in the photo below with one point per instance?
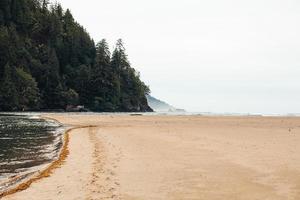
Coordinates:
(48, 170)
(174, 157)
(158, 113)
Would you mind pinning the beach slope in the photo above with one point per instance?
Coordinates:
(175, 157)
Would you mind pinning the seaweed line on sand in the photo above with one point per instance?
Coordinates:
(49, 170)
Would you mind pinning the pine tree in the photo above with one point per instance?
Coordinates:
(27, 91)
(132, 90)
(52, 84)
(4, 45)
(82, 85)
(101, 78)
(58, 63)
(45, 5)
(5, 8)
(8, 91)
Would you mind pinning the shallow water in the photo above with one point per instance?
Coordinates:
(27, 143)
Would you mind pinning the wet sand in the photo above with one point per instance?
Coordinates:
(175, 157)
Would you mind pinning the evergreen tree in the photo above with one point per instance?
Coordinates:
(5, 10)
(131, 91)
(102, 78)
(8, 91)
(4, 45)
(58, 64)
(27, 91)
(70, 98)
(82, 84)
(51, 83)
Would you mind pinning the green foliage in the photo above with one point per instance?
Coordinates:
(70, 97)
(129, 88)
(54, 63)
(28, 92)
(8, 91)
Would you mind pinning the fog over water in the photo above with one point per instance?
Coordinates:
(209, 56)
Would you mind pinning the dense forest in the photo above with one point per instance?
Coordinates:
(48, 61)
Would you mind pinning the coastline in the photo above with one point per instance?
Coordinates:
(174, 157)
(46, 172)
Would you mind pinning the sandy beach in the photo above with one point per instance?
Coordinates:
(175, 157)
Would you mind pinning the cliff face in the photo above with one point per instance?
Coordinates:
(49, 61)
(140, 107)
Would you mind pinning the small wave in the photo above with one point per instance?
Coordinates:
(28, 143)
(6, 138)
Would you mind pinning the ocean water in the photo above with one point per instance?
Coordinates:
(27, 144)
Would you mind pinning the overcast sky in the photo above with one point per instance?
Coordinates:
(220, 56)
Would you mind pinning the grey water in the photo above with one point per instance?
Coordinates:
(27, 143)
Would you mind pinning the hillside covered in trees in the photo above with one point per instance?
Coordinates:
(49, 61)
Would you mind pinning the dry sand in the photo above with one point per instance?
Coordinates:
(175, 157)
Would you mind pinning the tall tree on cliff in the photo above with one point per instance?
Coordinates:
(103, 77)
(57, 62)
(130, 90)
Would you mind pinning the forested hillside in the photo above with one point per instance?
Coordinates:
(49, 61)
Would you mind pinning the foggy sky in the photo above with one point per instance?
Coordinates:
(207, 55)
